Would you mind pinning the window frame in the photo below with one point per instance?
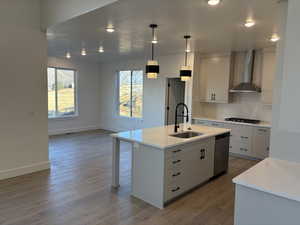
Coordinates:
(76, 114)
(118, 95)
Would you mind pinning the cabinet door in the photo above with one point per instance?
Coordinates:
(198, 163)
(214, 79)
(268, 74)
(261, 142)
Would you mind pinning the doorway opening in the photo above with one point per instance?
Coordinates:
(174, 94)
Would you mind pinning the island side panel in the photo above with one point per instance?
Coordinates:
(148, 174)
(116, 162)
(254, 207)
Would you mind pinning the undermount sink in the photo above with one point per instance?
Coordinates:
(187, 134)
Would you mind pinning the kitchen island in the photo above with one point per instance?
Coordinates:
(165, 165)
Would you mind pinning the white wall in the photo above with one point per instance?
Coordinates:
(58, 11)
(154, 93)
(88, 98)
(285, 134)
(23, 99)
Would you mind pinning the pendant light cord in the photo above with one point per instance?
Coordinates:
(152, 44)
(186, 46)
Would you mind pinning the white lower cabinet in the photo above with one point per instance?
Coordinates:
(261, 145)
(245, 140)
(158, 176)
(192, 166)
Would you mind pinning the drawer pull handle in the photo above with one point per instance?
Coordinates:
(244, 149)
(177, 161)
(263, 130)
(176, 189)
(202, 154)
(243, 137)
(176, 174)
(176, 151)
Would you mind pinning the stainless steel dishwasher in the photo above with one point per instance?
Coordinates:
(221, 154)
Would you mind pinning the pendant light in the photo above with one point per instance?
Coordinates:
(68, 55)
(186, 71)
(152, 67)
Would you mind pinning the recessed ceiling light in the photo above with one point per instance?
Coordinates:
(249, 23)
(213, 2)
(83, 52)
(68, 55)
(101, 50)
(110, 29)
(275, 38)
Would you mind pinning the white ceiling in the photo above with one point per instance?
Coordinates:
(213, 29)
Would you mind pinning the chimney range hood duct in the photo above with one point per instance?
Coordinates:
(246, 86)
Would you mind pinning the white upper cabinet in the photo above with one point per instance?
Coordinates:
(268, 75)
(213, 77)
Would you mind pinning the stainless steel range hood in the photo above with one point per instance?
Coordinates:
(247, 86)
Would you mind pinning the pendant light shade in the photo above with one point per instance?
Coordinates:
(186, 71)
(152, 67)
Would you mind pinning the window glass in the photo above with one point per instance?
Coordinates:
(125, 93)
(65, 92)
(51, 92)
(137, 93)
(61, 92)
(131, 93)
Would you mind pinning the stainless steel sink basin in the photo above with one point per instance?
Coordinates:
(187, 134)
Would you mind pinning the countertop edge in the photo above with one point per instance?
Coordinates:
(242, 181)
(184, 141)
(231, 122)
(278, 194)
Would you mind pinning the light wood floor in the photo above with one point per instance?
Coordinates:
(77, 191)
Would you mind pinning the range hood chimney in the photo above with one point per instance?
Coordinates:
(247, 86)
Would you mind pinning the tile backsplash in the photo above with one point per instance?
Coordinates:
(246, 105)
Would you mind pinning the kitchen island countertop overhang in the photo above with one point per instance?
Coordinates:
(164, 166)
(160, 137)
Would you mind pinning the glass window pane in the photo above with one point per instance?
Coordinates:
(137, 94)
(124, 93)
(51, 92)
(65, 92)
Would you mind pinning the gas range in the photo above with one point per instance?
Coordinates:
(242, 120)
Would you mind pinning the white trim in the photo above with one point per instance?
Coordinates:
(4, 174)
(75, 116)
(72, 130)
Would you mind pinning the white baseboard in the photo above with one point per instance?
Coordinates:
(72, 130)
(4, 174)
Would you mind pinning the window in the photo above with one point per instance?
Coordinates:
(131, 93)
(61, 92)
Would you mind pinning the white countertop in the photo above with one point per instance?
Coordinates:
(261, 124)
(159, 137)
(274, 176)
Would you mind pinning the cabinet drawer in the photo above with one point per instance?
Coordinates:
(174, 153)
(174, 163)
(240, 132)
(174, 175)
(240, 148)
(174, 189)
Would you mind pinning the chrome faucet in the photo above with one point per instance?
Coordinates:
(182, 115)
